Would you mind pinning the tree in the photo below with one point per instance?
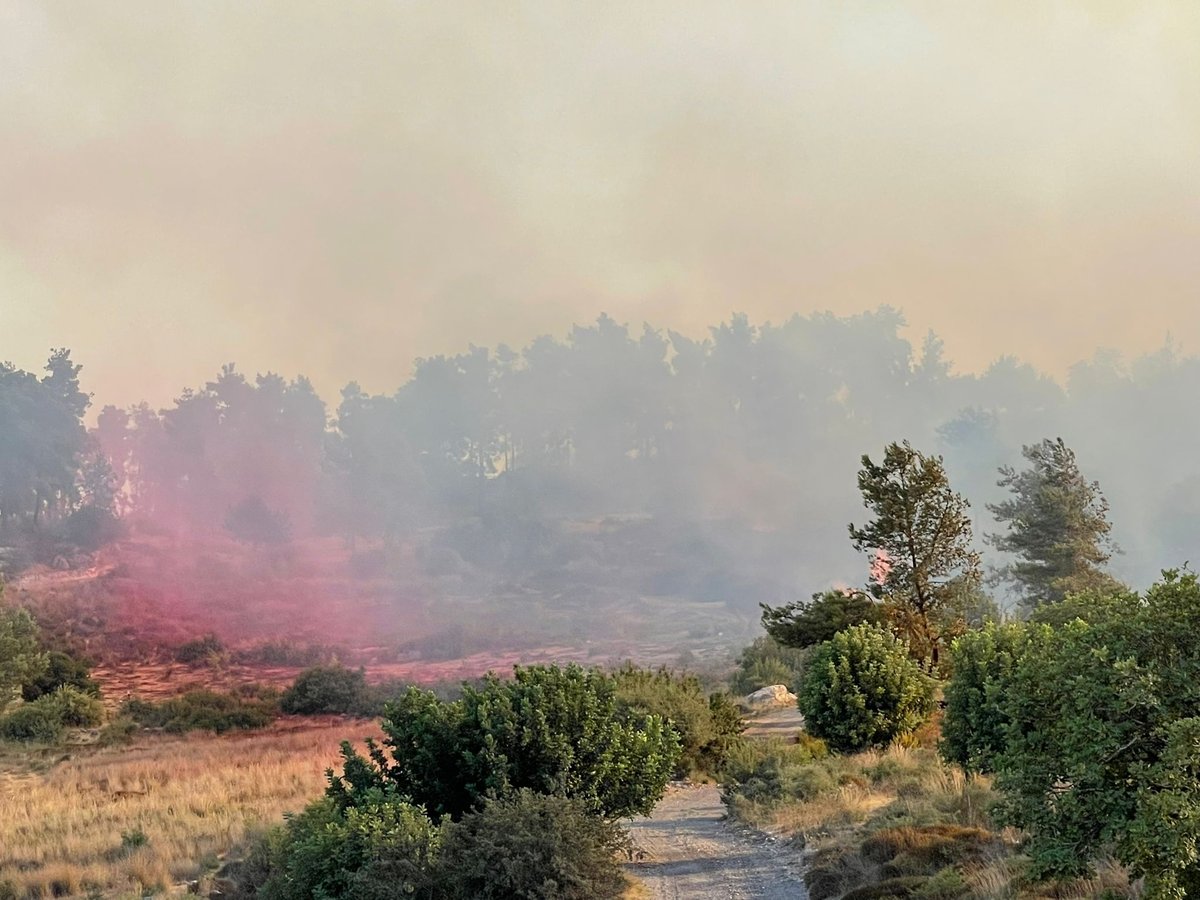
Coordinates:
(557, 731)
(1102, 753)
(921, 538)
(21, 658)
(862, 689)
(1057, 524)
(800, 624)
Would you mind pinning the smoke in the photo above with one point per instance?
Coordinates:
(340, 189)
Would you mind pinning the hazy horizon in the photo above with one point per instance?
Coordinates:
(337, 193)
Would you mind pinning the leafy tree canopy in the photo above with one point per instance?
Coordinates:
(22, 660)
(804, 624)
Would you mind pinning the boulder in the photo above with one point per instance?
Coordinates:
(771, 695)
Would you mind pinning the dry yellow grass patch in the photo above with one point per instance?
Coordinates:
(76, 828)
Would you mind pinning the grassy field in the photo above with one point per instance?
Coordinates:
(896, 823)
(150, 817)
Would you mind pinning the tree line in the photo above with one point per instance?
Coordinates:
(747, 429)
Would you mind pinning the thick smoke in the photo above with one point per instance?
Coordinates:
(341, 189)
(583, 484)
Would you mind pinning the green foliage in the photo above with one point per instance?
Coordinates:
(557, 731)
(921, 535)
(384, 848)
(44, 719)
(1102, 747)
(22, 660)
(975, 727)
(75, 708)
(765, 662)
(328, 689)
(133, 839)
(802, 625)
(706, 724)
(206, 649)
(61, 670)
(862, 689)
(37, 721)
(42, 437)
(1058, 527)
(531, 846)
(245, 709)
(779, 777)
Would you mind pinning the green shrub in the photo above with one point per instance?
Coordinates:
(133, 839)
(706, 725)
(119, 731)
(553, 730)
(327, 689)
(761, 775)
(37, 721)
(1103, 753)
(532, 846)
(976, 723)
(74, 708)
(61, 669)
(862, 689)
(766, 662)
(206, 710)
(383, 849)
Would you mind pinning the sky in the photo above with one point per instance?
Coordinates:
(335, 189)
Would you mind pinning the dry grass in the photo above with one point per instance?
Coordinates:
(75, 828)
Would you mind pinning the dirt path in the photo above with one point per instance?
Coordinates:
(686, 850)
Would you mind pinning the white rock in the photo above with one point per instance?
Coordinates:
(771, 695)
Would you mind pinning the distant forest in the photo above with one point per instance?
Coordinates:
(730, 460)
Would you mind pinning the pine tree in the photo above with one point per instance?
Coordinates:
(1058, 526)
(921, 538)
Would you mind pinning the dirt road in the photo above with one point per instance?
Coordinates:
(686, 850)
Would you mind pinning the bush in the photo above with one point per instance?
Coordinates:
(533, 846)
(328, 689)
(1104, 722)
(61, 670)
(207, 650)
(383, 849)
(706, 725)
(250, 708)
(553, 730)
(766, 662)
(976, 723)
(862, 690)
(36, 721)
(74, 708)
